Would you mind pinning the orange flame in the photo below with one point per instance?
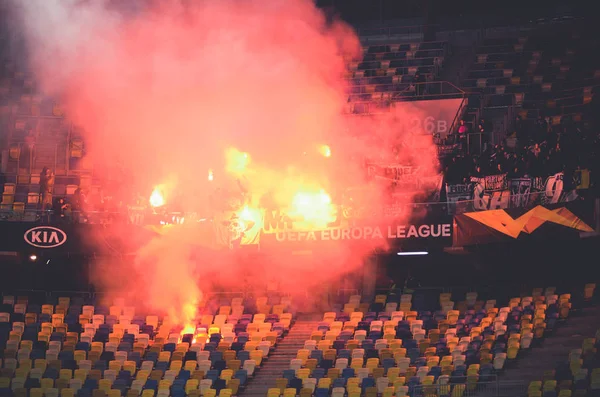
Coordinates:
(237, 161)
(188, 329)
(314, 209)
(325, 150)
(156, 198)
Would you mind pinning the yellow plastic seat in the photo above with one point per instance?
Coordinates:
(303, 373)
(66, 392)
(65, 374)
(226, 374)
(46, 383)
(324, 383)
(273, 392)
(289, 392)
(105, 384)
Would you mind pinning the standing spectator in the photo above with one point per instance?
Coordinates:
(59, 210)
(79, 205)
(47, 194)
(462, 132)
(43, 183)
(463, 128)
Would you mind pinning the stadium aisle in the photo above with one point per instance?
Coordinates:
(569, 335)
(279, 360)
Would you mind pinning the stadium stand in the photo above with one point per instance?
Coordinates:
(515, 72)
(547, 72)
(72, 347)
(388, 70)
(397, 345)
(578, 374)
(394, 346)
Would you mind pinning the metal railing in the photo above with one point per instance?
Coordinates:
(399, 32)
(133, 217)
(47, 295)
(493, 388)
(430, 90)
(475, 143)
(443, 46)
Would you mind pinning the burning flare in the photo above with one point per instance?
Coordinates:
(314, 209)
(156, 198)
(325, 150)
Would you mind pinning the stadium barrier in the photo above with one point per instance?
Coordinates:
(492, 388)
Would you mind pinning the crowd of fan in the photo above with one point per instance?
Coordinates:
(534, 149)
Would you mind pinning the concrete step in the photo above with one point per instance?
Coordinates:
(285, 350)
(554, 348)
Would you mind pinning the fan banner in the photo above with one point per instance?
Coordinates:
(500, 192)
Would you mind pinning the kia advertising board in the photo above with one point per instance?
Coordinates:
(28, 238)
(45, 237)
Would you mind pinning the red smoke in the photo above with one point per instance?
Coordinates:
(170, 91)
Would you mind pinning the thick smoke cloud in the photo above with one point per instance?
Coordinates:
(169, 89)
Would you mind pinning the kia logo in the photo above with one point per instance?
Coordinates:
(45, 237)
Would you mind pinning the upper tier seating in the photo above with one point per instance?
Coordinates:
(388, 70)
(543, 73)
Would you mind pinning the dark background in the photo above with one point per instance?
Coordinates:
(459, 14)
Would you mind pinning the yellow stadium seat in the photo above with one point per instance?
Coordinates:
(303, 373)
(305, 392)
(65, 374)
(549, 385)
(191, 384)
(105, 384)
(190, 365)
(227, 374)
(256, 355)
(165, 384)
(324, 383)
(289, 392)
(273, 392)
(333, 373)
(66, 392)
(234, 385)
(164, 356)
(46, 383)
